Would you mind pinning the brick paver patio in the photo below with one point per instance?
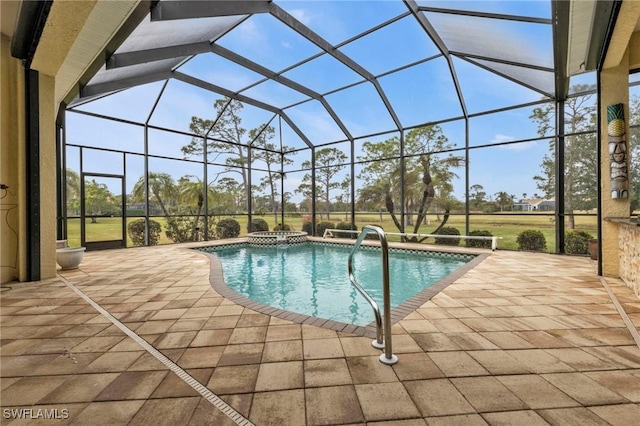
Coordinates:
(521, 339)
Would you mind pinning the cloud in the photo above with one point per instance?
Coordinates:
(501, 138)
(498, 138)
(249, 30)
(301, 15)
(290, 186)
(317, 125)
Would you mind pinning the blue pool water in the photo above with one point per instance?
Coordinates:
(312, 279)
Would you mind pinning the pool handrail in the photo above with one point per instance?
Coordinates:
(383, 338)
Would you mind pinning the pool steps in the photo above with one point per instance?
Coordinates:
(276, 237)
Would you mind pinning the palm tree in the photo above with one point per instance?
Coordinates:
(193, 192)
(503, 199)
(162, 187)
(73, 191)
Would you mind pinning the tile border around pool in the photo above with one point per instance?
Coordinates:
(216, 279)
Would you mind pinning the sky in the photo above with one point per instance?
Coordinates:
(422, 92)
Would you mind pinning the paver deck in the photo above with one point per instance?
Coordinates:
(522, 338)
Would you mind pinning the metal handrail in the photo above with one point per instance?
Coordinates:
(383, 340)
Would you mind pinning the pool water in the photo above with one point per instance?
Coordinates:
(312, 279)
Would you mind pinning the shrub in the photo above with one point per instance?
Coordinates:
(531, 240)
(258, 225)
(346, 226)
(321, 226)
(281, 227)
(228, 228)
(307, 227)
(179, 229)
(447, 230)
(479, 243)
(213, 231)
(136, 232)
(577, 242)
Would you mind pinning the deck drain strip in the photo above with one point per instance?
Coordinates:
(186, 377)
(621, 311)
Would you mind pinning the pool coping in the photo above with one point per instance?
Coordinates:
(216, 280)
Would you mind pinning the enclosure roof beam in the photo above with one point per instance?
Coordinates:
(505, 76)
(500, 61)
(314, 38)
(222, 91)
(517, 18)
(242, 98)
(296, 129)
(257, 68)
(172, 10)
(560, 12)
(123, 83)
(435, 37)
(136, 16)
(125, 59)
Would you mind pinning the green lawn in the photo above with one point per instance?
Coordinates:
(506, 226)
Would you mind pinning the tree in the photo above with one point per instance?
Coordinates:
(99, 201)
(192, 192)
(274, 161)
(428, 174)
(344, 198)
(328, 163)
(162, 188)
(477, 195)
(380, 174)
(231, 194)
(580, 164)
(436, 170)
(72, 180)
(504, 200)
(225, 137)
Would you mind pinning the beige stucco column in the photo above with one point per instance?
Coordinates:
(623, 54)
(614, 90)
(48, 110)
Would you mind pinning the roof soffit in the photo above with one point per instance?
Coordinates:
(627, 22)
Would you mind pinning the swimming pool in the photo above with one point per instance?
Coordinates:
(312, 278)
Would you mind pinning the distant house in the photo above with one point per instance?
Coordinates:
(535, 204)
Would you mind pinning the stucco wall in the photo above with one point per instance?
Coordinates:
(12, 216)
(629, 241)
(75, 34)
(11, 156)
(48, 110)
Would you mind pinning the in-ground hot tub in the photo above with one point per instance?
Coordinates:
(276, 237)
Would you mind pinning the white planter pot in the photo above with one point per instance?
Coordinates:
(69, 258)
